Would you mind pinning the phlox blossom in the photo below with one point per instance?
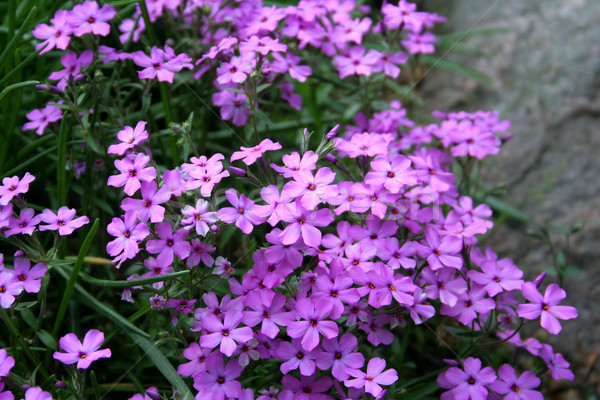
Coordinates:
(82, 353)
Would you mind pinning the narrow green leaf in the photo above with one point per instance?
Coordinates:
(47, 339)
(92, 302)
(124, 284)
(431, 61)
(61, 164)
(18, 67)
(95, 385)
(8, 50)
(29, 318)
(163, 365)
(15, 86)
(62, 309)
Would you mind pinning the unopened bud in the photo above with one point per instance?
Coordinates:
(238, 172)
(331, 134)
(330, 158)
(540, 278)
(60, 385)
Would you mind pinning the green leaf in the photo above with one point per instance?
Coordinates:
(47, 339)
(62, 309)
(459, 69)
(124, 284)
(8, 50)
(163, 365)
(29, 318)
(15, 86)
(418, 392)
(61, 164)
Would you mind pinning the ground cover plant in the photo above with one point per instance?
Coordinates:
(240, 200)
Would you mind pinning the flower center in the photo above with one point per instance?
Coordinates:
(311, 187)
(338, 355)
(133, 173)
(313, 322)
(91, 20)
(240, 210)
(545, 307)
(2, 289)
(220, 380)
(21, 277)
(471, 381)
(515, 388)
(82, 355)
(127, 234)
(390, 175)
(468, 303)
(225, 332)
(300, 355)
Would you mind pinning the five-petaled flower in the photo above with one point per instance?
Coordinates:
(82, 353)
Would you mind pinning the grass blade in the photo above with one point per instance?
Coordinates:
(19, 85)
(62, 309)
(459, 69)
(61, 163)
(8, 51)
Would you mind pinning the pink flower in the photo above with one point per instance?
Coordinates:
(9, 288)
(470, 383)
(233, 106)
(218, 382)
(374, 377)
(517, 388)
(14, 186)
(36, 393)
(87, 18)
(82, 353)
(245, 213)
(40, 119)
(25, 224)
(6, 363)
(148, 206)
(303, 223)
(129, 138)
(56, 35)
(133, 169)
(312, 324)
(249, 155)
(29, 277)
(225, 333)
(355, 61)
(62, 221)
(236, 70)
(198, 217)
(289, 63)
(161, 64)
(545, 306)
(128, 233)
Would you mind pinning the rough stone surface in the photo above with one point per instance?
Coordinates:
(546, 73)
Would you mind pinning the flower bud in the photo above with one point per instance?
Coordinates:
(238, 172)
(60, 385)
(331, 134)
(540, 278)
(330, 158)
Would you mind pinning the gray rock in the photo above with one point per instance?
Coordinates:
(546, 73)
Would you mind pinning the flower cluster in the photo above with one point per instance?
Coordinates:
(352, 240)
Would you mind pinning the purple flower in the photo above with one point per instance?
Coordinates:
(132, 171)
(200, 252)
(268, 315)
(249, 155)
(198, 217)
(225, 333)
(469, 304)
(148, 206)
(307, 388)
(14, 186)
(355, 61)
(498, 276)
(394, 173)
(73, 66)
(245, 213)
(6, 363)
(9, 288)
(311, 189)
(340, 356)
(440, 252)
(374, 377)
(128, 233)
(129, 138)
(556, 363)
(158, 266)
(469, 383)
(25, 224)
(36, 393)
(233, 106)
(170, 242)
(149, 394)
(218, 382)
(30, 278)
(161, 64)
(312, 324)
(303, 223)
(236, 70)
(289, 63)
(517, 387)
(40, 119)
(82, 353)
(87, 18)
(56, 35)
(197, 356)
(545, 306)
(62, 221)
(296, 357)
